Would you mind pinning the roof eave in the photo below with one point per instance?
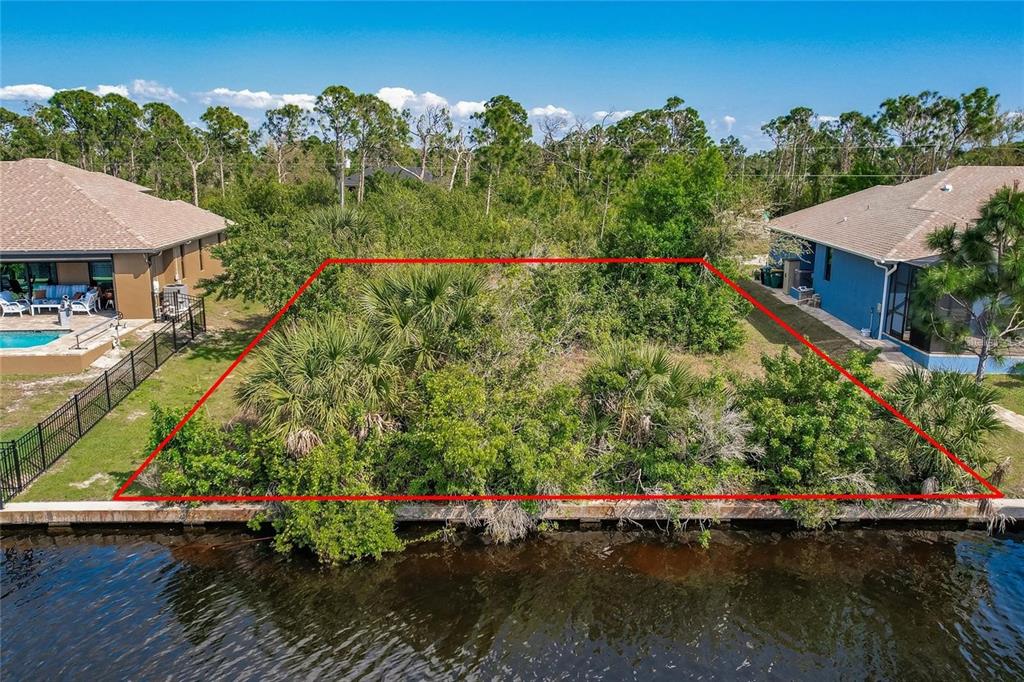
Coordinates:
(883, 258)
(9, 254)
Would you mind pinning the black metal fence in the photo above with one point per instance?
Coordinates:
(23, 459)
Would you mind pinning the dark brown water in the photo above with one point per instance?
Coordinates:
(840, 605)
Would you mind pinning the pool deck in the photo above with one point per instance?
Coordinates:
(65, 355)
(909, 513)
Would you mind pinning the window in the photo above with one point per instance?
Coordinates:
(24, 278)
(828, 263)
(101, 274)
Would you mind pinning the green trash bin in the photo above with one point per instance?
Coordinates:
(775, 279)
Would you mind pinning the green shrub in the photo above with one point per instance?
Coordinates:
(816, 427)
(673, 212)
(655, 428)
(466, 436)
(205, 458)
(953, 409)
(335, 531)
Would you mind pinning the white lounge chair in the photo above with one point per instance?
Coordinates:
(9, 304)
(87, 303)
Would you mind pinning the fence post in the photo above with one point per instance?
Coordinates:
(174, 335)
(191, 323)
(42, 448)
(202, 304)
(106, 383)
(131, 359)
(156, 353)
(78, 416)
(17, 464)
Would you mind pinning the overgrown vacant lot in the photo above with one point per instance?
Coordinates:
(95, 466)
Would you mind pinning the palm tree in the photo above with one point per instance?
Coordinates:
(632, 387)
(316, 379)
(349, 230)
(953, 409)
(418, 310)
(982, 274)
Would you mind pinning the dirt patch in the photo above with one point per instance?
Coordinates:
(95, 478)
(568, 367)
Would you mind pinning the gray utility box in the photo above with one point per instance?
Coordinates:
(173, 299)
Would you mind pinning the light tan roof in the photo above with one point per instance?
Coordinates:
(48, 206)
(892, 222)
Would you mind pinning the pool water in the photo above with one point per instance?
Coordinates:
(28, 339)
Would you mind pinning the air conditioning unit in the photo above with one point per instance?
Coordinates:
(174, 299)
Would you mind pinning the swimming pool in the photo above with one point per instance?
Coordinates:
(28, 339)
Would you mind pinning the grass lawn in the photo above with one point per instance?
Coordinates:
(97, 465)
(29, 398)
(1011, 391)
(764, 336)
(1009, 443)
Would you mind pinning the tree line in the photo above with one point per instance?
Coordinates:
(500, 152)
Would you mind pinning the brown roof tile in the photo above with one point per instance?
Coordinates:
(48, 206)
(892, 222)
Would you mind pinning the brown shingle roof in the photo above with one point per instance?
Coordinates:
(892, 222)
(50, 206)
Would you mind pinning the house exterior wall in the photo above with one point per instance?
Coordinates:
(964, 364)
(72, 273)
(188, 265)
(211, 265)
(854, 290)
(181, 263)
(165, 267)
(132, 286)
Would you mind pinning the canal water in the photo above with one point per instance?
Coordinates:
(840, 605)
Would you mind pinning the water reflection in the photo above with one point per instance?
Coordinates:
(601, 605)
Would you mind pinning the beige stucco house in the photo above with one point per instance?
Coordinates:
(63, 225)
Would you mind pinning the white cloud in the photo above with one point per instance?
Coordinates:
(247, 99)
(729, 122)
(258, 99)
(26, 91)
(464, 109)
(826, 119)
(140, 89)
(154, 91)
(396, 97)
(303, 101)
(404, 98)
(611, 116)
(102, 90)
(551, 110)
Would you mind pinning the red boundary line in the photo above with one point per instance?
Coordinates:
(120, 496)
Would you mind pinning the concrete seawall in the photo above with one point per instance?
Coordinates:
(909, 513)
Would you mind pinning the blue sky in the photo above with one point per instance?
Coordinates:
(738, 64)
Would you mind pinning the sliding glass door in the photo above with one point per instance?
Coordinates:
(897, 313)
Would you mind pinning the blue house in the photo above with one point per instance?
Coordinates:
(864, 250)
